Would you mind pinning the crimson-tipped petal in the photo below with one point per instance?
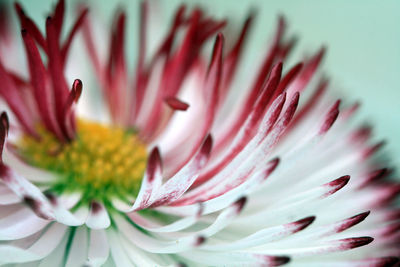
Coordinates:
(337, 184)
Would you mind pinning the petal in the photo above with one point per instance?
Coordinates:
(118, 254)
(234, 258)
(98, 217)
(39, 250)
(7, 196)
(28, 192)
(154, 245)
(151, 182)
(20, 224)
(320, 248)
(178, 225)
(64, 216)
(99, 248)
(263, 236)
(77, 252)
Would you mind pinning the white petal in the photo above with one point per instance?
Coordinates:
(98, 248)
(172, 227)
(263, 236)
(7, 196)
(234, 258)
(118, 254)
(40, 249)
(56, 258)
(98, 217)
(20, 224)
(154, 245)
(140, 257)
(64, 216)
(77, 253)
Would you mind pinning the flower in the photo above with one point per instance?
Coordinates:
(180, 174)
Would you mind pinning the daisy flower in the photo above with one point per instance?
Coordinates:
(185, 170)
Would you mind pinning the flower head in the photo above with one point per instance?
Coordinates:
(179, 174)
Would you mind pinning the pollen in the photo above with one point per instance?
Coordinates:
(101, 162)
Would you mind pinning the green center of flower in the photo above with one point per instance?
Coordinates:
(101, 162)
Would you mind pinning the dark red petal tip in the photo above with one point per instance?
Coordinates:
(279, 260)
(356, 242)
(176, 104)
(217, 49)
(36, 207)
(278, 67)
(349, 222)
(153, 163)
(393, 215)
(207, 145)
(77, 84)
(388, 261)
(274, 162)
(19, 9)
(303, 223)
(376, 175)
(77, 87)
(391, 229)
(200, 240)
(291, 109)
(321, 52)
(240, 203)
(330, 117)
(361, 134)
(373, 149)
(4, 121)
(52, 198)
(95, 207)
(4, 126)
(337, 184)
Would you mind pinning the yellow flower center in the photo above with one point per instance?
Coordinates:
(102, 161)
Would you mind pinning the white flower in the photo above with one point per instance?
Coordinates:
(180, 174)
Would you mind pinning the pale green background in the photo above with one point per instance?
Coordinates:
(362, 36)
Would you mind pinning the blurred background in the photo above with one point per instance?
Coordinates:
(362, 37)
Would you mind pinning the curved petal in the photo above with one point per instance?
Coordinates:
(39, 250)
(20, 224)
(98, 217)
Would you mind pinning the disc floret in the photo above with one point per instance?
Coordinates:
(102, 162)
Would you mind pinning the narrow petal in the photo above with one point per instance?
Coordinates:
(151, 182)
(235, 258)
(77, 252)
(99, 248)
(154, 245)
(263, 236)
